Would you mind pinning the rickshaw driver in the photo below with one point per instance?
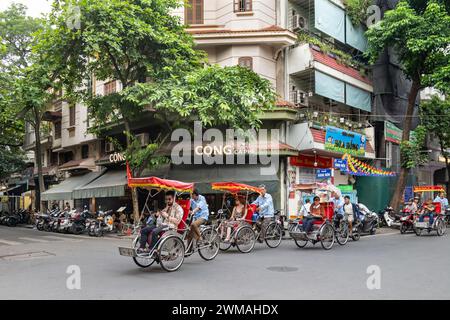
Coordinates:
(265, 210)
(338, 204)
(171, 217)
(443, 200)
(200, 214)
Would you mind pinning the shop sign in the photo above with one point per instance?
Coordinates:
(228, 149)
(346, 188)
(344, 141)
(340, 164)
(116, 157)
(392, 133)
(308, 161)
(323, 173)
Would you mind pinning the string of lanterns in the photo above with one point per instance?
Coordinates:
(359, 168)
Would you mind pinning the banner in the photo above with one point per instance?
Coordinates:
(359, 168)
(308, 161)
(323, 173)
(392, 133)
(344, 141)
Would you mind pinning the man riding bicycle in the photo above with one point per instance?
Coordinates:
(265, 210)
(200, 214)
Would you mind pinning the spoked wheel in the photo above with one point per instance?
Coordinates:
(301, 243)
(223, 246)
(211, 244)
(171, 253)
(342, 233)
(440, 227)
(142, 261)
(326, 236)
(273, 235)
(245, 239)
(417, 231)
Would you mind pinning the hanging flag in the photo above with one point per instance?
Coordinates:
(359, 168)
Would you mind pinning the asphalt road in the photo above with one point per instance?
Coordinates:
(33, 265)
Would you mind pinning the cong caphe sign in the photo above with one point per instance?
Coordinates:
(344, 141)
(392, 133)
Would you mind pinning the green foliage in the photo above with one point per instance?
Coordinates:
(435, 117)
(420, 40)
(412, 151)
(357, 10)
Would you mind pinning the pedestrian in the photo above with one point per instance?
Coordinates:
(265, 210)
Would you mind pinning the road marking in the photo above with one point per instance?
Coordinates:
(33, 239)
(10, 243)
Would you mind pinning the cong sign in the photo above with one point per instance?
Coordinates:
(344, 141)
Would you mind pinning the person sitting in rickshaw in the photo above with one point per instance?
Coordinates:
(317, 212)
(171, 216)
(200, 214)
(237, 215)
(427, 211)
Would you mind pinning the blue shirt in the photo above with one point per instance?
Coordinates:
(265, 205)
(200, 203)
(443, 201)
(338, 205)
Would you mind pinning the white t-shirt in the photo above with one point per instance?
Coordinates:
(305, 209)
(348, 209)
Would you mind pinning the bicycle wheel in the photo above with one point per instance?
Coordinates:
(440, 227)
(143, 261)
(342, 233)
(273, 235)
(245, 239)
(326, 234)
(171, 253)
(211, 244)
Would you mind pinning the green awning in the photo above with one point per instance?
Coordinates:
(64, 190)
(110, 184)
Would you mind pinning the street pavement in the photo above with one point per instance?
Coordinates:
(33, 265)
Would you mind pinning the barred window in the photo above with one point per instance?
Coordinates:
(109, 87)
(242, 5)
(193, 12)
(246, 62)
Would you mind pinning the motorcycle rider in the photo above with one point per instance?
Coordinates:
(413, 205)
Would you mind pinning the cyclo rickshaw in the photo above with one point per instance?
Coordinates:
(438, 223)
(244, 233)
(325, 231)
(170, 249)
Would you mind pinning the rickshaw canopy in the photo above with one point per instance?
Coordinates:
(234, 187)
(158, 183)
(418, 189)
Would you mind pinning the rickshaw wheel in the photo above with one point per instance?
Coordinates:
(212, 237)
(171, 253)
(440, 228)
(417, 231)
(327, 236)
(301, 243)
(273, 235)
(342, 234)
(245, 239)
(140, 261)
(223, 246)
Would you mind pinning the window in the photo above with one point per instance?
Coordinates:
(242, 5)
(58, 130)
(109, 87)
(85, 151)
(193, 12)
(72, 115)
(246, 62)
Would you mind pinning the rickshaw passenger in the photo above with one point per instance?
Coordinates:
(316, 212)
(265, 210)
(427, 211)
(237, 215)
(200, 213)
(171, 217)
(443, 200)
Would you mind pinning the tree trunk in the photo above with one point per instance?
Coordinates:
(134, 194)
(401, 182)
(38, 157)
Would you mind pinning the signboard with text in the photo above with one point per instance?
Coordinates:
(344, 141)
(340, 164)
(392, 133)
(323, 174)
(309, 160)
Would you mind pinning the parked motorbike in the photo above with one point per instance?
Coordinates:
(388, 217)
(3, 217)
(65, 221)
(81, 221)
(104, 223)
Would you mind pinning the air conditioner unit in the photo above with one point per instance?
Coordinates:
(109, 147)
(299, 23)
(300, 98)
(143, 139)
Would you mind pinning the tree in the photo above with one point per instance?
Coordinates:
(435, 117)
(144, 47)
(420, 39)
